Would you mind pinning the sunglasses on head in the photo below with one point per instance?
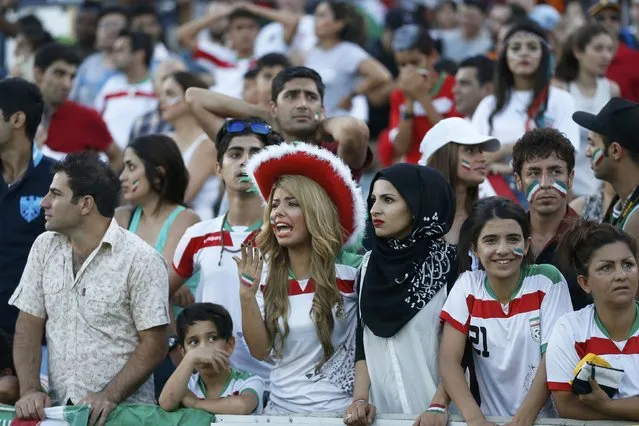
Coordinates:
(241, 126)
(608, 17)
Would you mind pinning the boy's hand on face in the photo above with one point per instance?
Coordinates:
(216, 358)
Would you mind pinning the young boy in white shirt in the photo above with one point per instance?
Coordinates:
(205, 335)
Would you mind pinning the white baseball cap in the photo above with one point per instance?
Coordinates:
(454, 129)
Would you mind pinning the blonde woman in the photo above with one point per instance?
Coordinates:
(309, 316)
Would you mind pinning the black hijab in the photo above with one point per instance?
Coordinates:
(403, 275)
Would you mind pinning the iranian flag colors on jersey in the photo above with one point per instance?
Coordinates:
(508, 339)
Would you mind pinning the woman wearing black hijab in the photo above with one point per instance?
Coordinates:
(403, 285)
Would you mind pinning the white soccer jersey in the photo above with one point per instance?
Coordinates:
(239, 383)
(296, 386)
(121, 103)
(209, 247)
(579, 333)
(508, 339)
(228, 70)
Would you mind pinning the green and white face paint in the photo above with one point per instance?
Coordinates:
(466, 164)
(518, 251)
(597, 157)
(533, 189)
(561, 188)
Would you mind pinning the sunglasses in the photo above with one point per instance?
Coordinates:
(235, 127)
(608, 17)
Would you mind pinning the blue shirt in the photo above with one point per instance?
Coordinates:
(21, 221)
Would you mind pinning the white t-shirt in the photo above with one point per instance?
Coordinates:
(271, 38)
(338, 68)
(120, 103)
(579, 333)
(239, 383)
(508, 340)
(209, 247)
(227, 68)
(296, 386)
(510, 124)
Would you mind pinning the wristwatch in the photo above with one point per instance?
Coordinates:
(406, 115)
(173, 342)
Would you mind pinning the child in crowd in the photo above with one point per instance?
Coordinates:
(205, 335)
(9, 389)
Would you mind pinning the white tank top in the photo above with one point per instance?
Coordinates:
(204, 200)
(585, 181)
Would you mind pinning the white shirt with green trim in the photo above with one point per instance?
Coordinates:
(579, 333)
(296, 384)
(239, 383)
(508, 339)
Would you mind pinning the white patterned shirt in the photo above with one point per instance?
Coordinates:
(93, 319)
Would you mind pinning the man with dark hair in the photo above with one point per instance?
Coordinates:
(26, 176)
(421, 99)
(98, 67)
(128, 94)
(613, 149)
(473, 82)
(145, 18)
(268, 66)
(249, 87)
(227, 65)
(296, 111)
(68, 126)
(102, 293)
(544, 169)
(471, 38)
(208, 247)
(85, 25)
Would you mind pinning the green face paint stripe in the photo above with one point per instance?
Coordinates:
(518, 251)
(597, 156)
(532, 190)
(466, 164)
(560, 187)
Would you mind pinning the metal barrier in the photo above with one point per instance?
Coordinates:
(386, 420)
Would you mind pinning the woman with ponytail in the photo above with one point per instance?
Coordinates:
(523, 99)
(593, 354)
(583, 61)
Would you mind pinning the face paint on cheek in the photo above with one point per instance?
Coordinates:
(560, 187)
(518, 251)
(532, 190)
(135, 185)
(597, 157)
(466, 164)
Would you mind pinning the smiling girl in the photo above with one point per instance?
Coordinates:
(506, 311)
(310, 306)
(605, 259)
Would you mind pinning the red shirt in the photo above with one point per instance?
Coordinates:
(75, 127)
(444, 103)
(624, 70)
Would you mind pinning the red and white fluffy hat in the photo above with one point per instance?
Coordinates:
(319, 165)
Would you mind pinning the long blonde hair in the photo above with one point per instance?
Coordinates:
(322, 222)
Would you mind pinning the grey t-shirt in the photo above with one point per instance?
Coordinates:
(338, 68)
(458, 48)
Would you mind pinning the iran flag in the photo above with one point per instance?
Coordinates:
(55, 416)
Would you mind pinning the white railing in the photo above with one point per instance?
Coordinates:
(385, 420)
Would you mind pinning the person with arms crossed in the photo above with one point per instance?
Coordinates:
(25, 179)
(101, 293)
(605, 259)
(614, 152)
(296, 112)
(507, 312)
(207, 247)
(206, 339)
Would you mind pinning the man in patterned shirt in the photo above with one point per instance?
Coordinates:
(102, 294)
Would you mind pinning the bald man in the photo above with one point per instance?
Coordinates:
(151, 122)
